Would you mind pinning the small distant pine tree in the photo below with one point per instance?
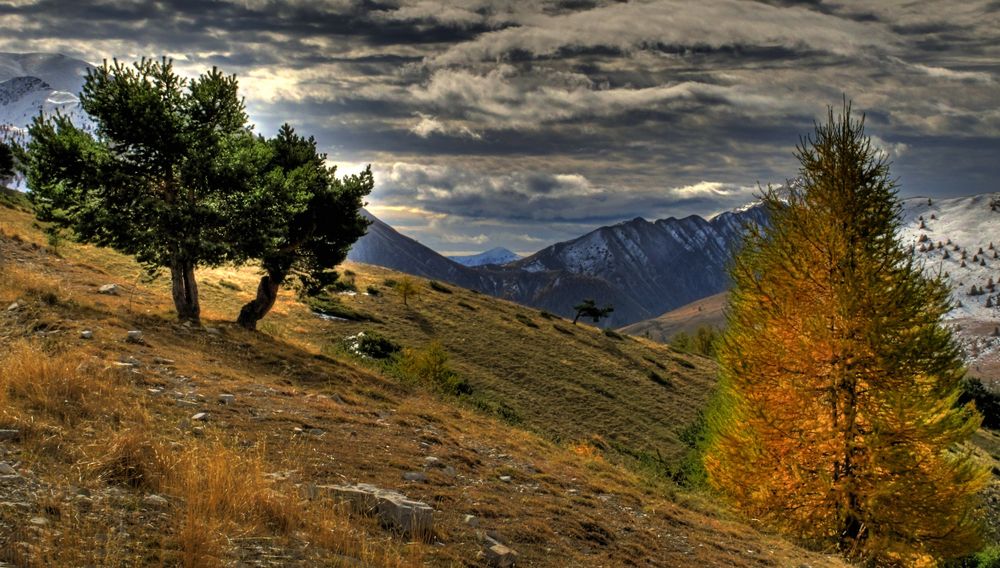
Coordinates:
(836, 418)
(989, 301)
(946, 255)
(991, 245)
(982, 262)
(6, 162)
(980, 250)
(963, 264)
(973, 291)
(929, 202)
(975, 258)
(588, 308)
(923, 238)
(933, 217)
(407, 288)
(922, 224)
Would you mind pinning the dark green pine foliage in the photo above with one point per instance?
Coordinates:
(302, 221)
(6, 161)
(588, 308)
(150, 182)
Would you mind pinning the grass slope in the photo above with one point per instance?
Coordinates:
(688, 318)
(114, 470)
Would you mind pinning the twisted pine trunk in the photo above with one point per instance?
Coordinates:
(256, 309)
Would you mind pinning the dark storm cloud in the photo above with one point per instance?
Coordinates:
(498, 122)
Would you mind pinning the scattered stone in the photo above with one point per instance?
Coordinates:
(415, 476)
(13, 307)
(9, 434)
(109, 289)
(201, 416)
(134, 336)
(86, 334)
(500, 556)
(39, 521)
(6, 469)
(431, 461)
(130, 361)
(198, 431)
(213, 331)
(471, 521)
(162, 361)
(227, 399)
(506, 478)
(153, 391)
(394, 510)
(155, 501)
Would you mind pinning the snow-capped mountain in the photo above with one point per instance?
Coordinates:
(496, 256)
(960, 239)
(31, 83)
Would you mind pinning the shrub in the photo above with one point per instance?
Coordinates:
(501, 410)
(331, 307)
(373, 291)
(561, 329)
(546, 315)
(613, 334)
(430, 367)
(372, 344)
(390, 282)
(467, 306)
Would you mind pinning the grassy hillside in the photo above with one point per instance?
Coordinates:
(108, 459)
(688, 318)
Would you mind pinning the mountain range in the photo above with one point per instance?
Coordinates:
(31, 83)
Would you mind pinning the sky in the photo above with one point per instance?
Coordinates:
(520, 123)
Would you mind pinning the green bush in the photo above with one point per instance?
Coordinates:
(613, 334)
(429, 366)
(372, 344)
(501, 410)
(988, 557)
(390, 282)
(331, 307)
(467, 306)
(373, 291)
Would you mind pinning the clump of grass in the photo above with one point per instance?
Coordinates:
(613, 334)
(546, 315)
(562, 329)
(372, 344)
(230, 285)
(659, 379)
(59, 386)
(134, 460)
(526, 320)
(466, 305)
(223, 490)
(683, 362)
(501, 410)
(390, 282)
(439, 287)
(658, 365)
(373, 291)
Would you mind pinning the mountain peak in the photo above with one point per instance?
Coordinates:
(494, 256)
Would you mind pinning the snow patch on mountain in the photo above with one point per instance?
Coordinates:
(496, 256)
(33, 83)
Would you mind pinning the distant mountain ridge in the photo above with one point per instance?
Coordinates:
(642, 268)
(496, 256)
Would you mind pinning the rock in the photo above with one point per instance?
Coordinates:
(134, 336)
(6, 469)
(162, 361)
(394, 510)
(213, 331)
(415, 476)
(506, 478)
(39, 521)
(431, 461)
(202, 416)
(130, 361)
(227, 398)
(155, 501)
(109, 289)
(9, 434)
(500, 556)
(13, 307)
(471, 521)
(86, 334)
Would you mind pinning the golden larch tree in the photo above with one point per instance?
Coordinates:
(837, 417)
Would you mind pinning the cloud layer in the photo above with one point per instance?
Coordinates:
(517, 123)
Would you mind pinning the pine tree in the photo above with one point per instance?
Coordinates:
(148, 183)
(836, 418)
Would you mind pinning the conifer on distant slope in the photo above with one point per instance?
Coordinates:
(837, 417)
